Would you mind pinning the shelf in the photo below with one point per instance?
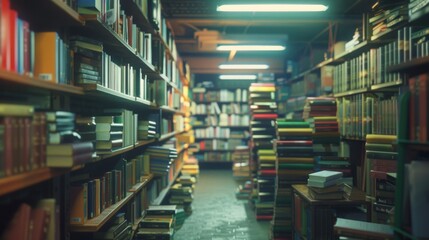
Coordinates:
(94, 224)
(141, 143)
(404, 233)
(167, 136)
(102, 92)
(357, 50)
(104, 155)
(415, 65)
(385, 86)
(21, 80)
(115, 44)
(20, 181)
(165, 191)
(182, 148)
(171, 110)
(352, 92)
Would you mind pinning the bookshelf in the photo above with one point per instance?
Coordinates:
(220, 116)
(128, 77)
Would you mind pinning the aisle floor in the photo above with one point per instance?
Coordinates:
(218, 215)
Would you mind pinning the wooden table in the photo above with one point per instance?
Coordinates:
(314, 219)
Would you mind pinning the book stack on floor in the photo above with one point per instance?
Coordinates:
(244, 191)
(381, 158)
(158, 224)
(108, 134)
(240, 162)
(181, 193)
(325, 185)
(191, 167)
(117, 229)
(293, 164)
(263, 114)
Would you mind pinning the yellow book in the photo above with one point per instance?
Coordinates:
(379, 138)
(295, 130)
(16, 110)
(45, 61)
(78, 204)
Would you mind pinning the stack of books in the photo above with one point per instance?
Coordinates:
(387, 16)
(160, 161)
(146, 130)
(240, 162)
(108, 134)
(158, 223)
(263, 114)
(181, 193)
(294, 148)
(381, 158)
(325, 185)
(191, 167)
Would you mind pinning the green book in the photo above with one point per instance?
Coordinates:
(296, 165)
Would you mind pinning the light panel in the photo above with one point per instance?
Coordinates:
(238, 77)
(272, 8)
(243, 66)
(250, 48)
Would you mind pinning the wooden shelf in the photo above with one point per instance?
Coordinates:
(182, 148)
(141, 143)
(386, 86)
(171, 110)
(357, 50)
(94, 224)
(143, 101)
(167, 136)
(68, 11)
(21, 80)
(104, 155)
(391, 33)
(20, 181)
(352, 92)
(165, 191)
(415, 65)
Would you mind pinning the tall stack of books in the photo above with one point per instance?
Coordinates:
(158, 223)
(320, 112)
(240, 162)
(263, 114)
(293, 164)
(182, 192)
(191, 167)
(325, 185)
(381, 157)
(160, 160)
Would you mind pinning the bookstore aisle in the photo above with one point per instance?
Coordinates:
(217, 214)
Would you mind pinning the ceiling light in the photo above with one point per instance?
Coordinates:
(272, 8)
(243, 66)
(237, 77)
(250, 48)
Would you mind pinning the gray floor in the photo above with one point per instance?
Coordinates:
(217, 214)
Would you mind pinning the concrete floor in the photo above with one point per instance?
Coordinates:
(218, 215)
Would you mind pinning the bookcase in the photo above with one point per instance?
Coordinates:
(109, 73)
(380, 85)
(220, 118)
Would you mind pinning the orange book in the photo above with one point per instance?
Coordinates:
(45, 63)
(79, 204)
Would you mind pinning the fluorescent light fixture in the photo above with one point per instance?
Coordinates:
(272, 8)
(238, 77)
(250, 48)
(243, 66)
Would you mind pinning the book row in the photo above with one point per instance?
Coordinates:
(201, 94)
(213, 108)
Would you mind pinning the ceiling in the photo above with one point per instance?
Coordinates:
(198, 28)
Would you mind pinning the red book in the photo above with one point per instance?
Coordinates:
(40, 220)
(5, 44)
(19, 226)
(294, 143)
(13, 40)
(423, 106)
(265, 116)
(264, 217)
(412, 124)
(130, 29)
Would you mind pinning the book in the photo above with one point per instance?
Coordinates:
(78, 204)
(49, 205)
(46, 60)
(325, 175)
(360, 229)
(68, 160)
(322, 184)
(39, 222)
(69, 149)
(19, 225)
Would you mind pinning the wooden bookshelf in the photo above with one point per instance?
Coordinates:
(165, 191)
(171, 110)
(387, 86)
(8, 77)
(115, 44)
(105, 155)
(141, 143)
(20, 181)
(68, 11)
(167, 136)
(138, 17)
(414, 65)
(352, 92)
(94, 224)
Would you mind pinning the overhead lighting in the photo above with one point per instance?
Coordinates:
(250, 48)
(272, 8)
(238, 77)
(243, 66)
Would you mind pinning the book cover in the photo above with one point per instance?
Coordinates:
(46, 60)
